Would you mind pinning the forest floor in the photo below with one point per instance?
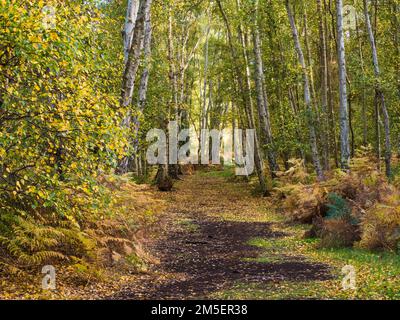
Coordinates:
(222, 241)
(215, 237)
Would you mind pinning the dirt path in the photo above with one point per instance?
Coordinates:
(205, 247)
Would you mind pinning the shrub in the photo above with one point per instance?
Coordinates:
(297, 173)
(345, 209)
(338, 207)
(381, 225)
(339, 232)
(30, 242)
(59, 126)
(301, 203)
(338, 228)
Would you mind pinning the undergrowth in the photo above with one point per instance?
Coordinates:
(356, 209)
(85, 248)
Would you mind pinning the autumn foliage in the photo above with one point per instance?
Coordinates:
(356, 209)
(59, 124)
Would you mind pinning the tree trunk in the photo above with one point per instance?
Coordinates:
(133, 61)
(292, 102)
(330, 37)
(147, 53)
(143, 82)
(309, 60)
(204, 97)
(262, 100)
(379, 93)
(344, 112)
(363, 95)
(307, 95)
(245, 96)
(130, 21)
(130, 72)
(173, 170)
(324, 85)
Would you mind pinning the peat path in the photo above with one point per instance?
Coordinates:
(202, 254)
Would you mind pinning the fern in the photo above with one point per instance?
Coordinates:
(12, 269)
(32, 242)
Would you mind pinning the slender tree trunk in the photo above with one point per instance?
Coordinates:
(130, 20)
(295, 110)
(309, 60)
(172, 67)
(133, 61)
(344, 112)
(363, 95)
(324, 85)
(130, 72)
(245, 99)
(173, 169)
(350, 101)
(204, 97)
(377, 131)
(250, 109)
(379, 92)
(332, 119)
(143, 86)
(147, 53)
(262, 100)
(307, 95)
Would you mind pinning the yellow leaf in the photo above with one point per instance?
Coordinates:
(53, 36)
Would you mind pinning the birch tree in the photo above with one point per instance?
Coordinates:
(324, 83)
(130, 21)
(131, 68)
(147, 55)
(378, 91)
(245, 96)
(343, 108)
(142, 95)
(307, 94)
(133, 60)
(204, 97)
(262, 98)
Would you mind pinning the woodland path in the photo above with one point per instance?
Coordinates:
(204, 248)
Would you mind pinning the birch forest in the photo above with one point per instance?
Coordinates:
(199, 149)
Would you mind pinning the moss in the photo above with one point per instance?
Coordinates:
(189, 225)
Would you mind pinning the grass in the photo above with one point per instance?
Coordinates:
(189, 225)
(282, 290)
(377, 273)
(227, 172)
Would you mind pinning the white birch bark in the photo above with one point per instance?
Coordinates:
(131, 68)
(133, 61)
(245, 99)
(204, 98)
(262, 98)
(307, 94)
(147, 55)
(343, 112)
(379, 92)
(130, 20)
(324, 84)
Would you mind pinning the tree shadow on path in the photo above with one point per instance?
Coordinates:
(216, 256)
